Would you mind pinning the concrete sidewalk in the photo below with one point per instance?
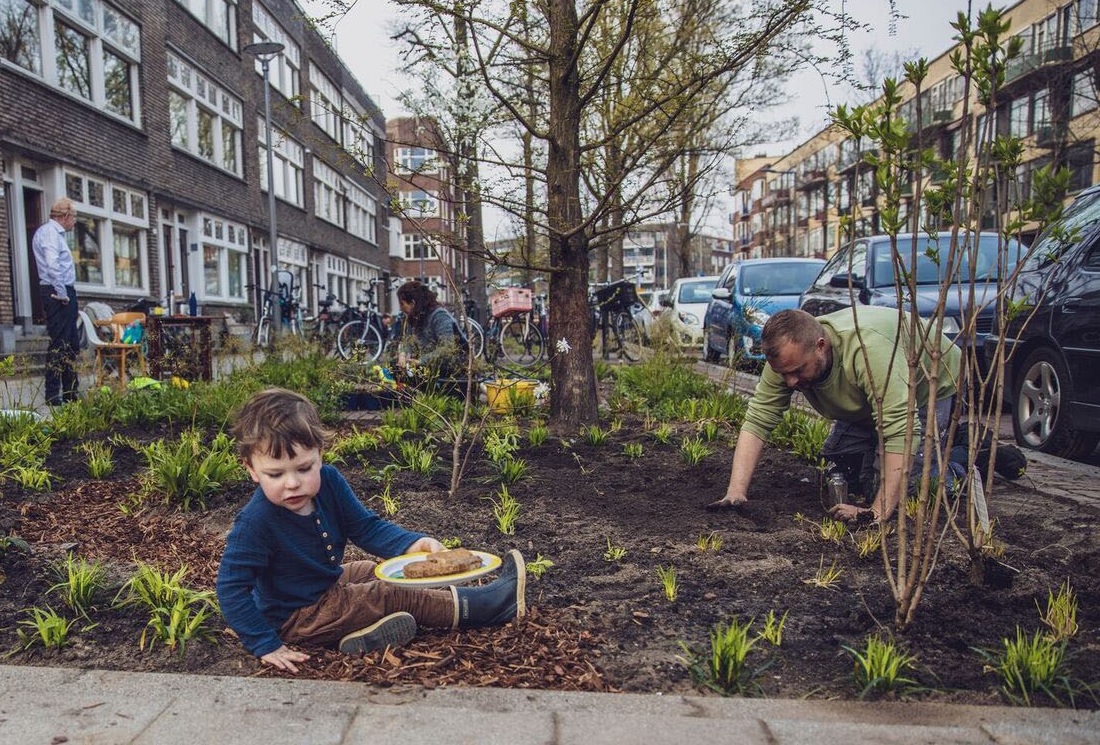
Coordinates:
(51, 705)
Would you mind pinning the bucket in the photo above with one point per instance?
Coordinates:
(505, 394)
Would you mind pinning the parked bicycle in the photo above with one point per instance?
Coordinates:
(615, 332)
(279, 304)
(323, 327)
(364, 338)
(513, 338)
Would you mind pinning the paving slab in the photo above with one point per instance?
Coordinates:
(60, 705)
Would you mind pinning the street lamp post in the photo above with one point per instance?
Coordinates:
(265, 51)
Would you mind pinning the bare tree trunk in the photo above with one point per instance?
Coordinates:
(573, 398)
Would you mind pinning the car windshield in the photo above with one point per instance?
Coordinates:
(779, 278)
(696, 291)
(932, 264)
(1078, 219)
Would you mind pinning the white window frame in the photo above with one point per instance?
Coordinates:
(202, 96)
(218, 16)
(420, 203)
(325, 103)
(110, 204)
(289, 165)
(285, 69)
(362, 214)
(416, 160)
(225, 240)
(329, 188)
(105, 30)
(358, 140)
(416, 245)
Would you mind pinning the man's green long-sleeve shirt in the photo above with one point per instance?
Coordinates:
(864, 361)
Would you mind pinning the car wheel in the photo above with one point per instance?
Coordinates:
(1040, 411)
(709, 355)
(733, 350)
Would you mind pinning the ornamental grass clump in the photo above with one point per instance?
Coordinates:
(725, 668)
(79, 580)
(177, 614)
(506, 510)
(1060, 615)
(185, 472)
(1031, 665)
(100, 457)
(881, 666)
(44, 626)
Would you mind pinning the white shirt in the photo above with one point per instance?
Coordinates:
(54, 259)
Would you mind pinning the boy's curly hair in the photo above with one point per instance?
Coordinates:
(276, 420)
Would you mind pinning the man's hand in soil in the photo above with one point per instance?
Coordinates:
(728, 502)
(851, 514)
(284, 658)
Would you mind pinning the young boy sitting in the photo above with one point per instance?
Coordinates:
(281, 579)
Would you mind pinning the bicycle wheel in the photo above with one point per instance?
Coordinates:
(359, 341)
(629, 337)
(475, 336)
(521, 343)
(263, 332)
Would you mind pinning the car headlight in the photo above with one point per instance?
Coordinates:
(950, 325)
(689, 319)
(757, 316)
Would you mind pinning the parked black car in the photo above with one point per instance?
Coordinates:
(1052, 342)
(864, 269)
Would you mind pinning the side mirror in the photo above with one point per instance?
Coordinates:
(844, 280)
(665, 301)
(721, 293)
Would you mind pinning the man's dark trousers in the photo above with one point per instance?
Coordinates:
(61, 380)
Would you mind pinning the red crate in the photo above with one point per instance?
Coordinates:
(511, 300)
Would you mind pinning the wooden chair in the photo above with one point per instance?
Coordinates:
(115, 350)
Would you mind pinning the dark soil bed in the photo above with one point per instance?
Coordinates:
(595, 624)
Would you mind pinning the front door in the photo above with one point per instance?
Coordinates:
(32, 218)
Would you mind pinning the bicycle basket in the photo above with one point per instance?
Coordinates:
(617, 296)
(510, 300)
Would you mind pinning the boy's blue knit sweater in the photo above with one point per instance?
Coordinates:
(276, 561)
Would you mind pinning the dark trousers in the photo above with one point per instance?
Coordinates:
(61, 380)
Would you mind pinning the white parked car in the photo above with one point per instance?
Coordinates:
(687, 303)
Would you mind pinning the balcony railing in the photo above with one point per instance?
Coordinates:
(811, 178)
(1025, 64)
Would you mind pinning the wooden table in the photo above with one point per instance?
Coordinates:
(181, 346)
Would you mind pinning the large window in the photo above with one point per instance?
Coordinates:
(328, 193)
(289, 159)
(86, 48)
(358, 137)
(416, 246)
(1019, 122)
(324, 100)
(220, 16)
(362, 214)
(420, 203)
(108, 240)
(224, 259)
(416, 160)
(284, 70)
(1084, 92)
(203, 118)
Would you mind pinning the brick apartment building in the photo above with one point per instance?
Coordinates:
(149, 114)
(432, 231)
(792, 204)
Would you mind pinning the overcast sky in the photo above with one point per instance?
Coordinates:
(362, 41)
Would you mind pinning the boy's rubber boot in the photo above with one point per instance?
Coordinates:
(497, 603)
(393, 630)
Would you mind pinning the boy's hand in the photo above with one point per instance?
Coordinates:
(284, 658)
(430, 545)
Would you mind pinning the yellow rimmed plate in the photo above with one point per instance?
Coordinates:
(393, 570)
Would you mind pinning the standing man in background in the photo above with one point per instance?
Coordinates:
(56, 278)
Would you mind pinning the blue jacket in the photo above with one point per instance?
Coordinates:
(276, 561)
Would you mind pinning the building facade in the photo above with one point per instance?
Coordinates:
(794, 204)
(432, 244)
(150, 116)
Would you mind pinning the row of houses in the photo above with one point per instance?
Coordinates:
(794, 204)
(150, 115)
